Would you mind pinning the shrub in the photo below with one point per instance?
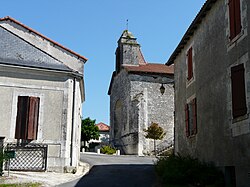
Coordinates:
(180, 170)
(107, 149)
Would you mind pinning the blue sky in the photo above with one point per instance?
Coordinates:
(92, 28)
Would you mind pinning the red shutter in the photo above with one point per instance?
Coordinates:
(21, 118)
(190, 63)
(187, 120)
(237, 17)
(33, 118)
(231, 6)
(239, 107)
(234, 18)
(194, 116)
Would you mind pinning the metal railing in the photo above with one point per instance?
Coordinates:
(27, 157)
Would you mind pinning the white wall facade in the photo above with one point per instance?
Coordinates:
(55, 113)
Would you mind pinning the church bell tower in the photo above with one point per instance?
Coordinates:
(128, 51)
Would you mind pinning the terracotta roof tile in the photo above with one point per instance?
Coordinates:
(42, 36)
(151, 68)
(102, 127)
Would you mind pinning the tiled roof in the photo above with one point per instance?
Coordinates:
(190, 31)
(102, 127)
(150, 68)
(42, 36)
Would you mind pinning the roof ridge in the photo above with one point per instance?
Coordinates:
(192, 27)
(102, 123)
(42, 36)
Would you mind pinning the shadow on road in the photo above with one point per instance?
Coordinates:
(135, 175)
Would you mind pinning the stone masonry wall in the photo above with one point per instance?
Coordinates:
(119, 101)
(152, 106)
(142, 104)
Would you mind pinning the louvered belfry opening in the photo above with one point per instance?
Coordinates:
(27, 118)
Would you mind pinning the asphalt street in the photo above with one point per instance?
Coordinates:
(116, 171)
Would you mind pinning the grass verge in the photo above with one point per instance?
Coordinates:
(21, 185)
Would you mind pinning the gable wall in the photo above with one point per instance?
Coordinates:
(142, 104)
(147, 106)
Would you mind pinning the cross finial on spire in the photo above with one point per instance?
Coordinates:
(127, 25)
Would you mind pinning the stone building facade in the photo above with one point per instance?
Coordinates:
(212, 89)
(41, 95)
(136, 100)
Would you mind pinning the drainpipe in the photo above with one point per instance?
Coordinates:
(73, 121)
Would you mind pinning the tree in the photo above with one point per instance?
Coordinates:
(155, 132)
(89, 130)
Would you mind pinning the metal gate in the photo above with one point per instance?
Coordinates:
(27, 157)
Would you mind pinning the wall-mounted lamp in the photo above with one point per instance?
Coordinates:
(162, 89)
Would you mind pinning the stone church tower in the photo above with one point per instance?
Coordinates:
(136, 100)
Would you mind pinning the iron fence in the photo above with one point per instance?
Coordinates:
(27, 157)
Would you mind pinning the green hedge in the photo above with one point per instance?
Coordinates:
(179, 170)
(107, 149)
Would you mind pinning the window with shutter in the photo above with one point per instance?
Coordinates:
(190, 63)
(234, 18)
(239, 107)
(191, 118)
(194, 106)
(27, 118)
(187, 120)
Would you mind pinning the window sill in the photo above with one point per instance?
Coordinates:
(191, 136)
(236, 39)
(240, 118)
(190, 81)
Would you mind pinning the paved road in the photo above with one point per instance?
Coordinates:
(116, 171)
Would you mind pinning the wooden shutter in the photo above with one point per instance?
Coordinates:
(231, 5)
(22, 117)
(33, 118)
(234, 18)
(190, 63)
(237, 17)
(239, 107)
(194, 116)
(187, 120)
